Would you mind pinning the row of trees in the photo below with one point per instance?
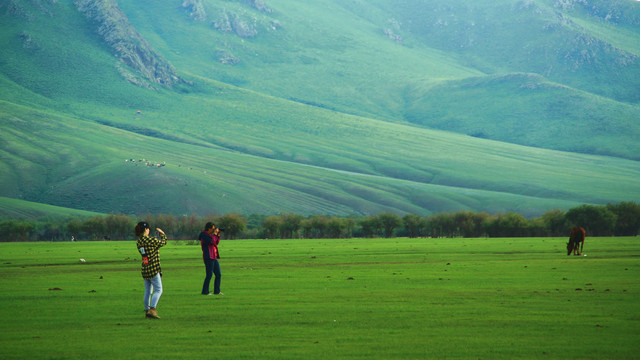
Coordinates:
(621, 219)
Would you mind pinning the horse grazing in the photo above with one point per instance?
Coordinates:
(576, 241)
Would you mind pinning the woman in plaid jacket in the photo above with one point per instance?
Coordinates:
(151, 271)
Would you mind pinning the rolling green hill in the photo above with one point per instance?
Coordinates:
(530, 109)
(20, 209)
(15, 208)
(326, 107)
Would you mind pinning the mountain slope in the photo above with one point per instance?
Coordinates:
(367, 58)
(539, 37)
(309, 120)
(20, 209)
(406, 170)
(528, 108)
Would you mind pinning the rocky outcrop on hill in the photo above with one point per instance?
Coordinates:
(28, 42)
(392, 29)
(21, 10)
(197, 12)
(227, 58)
(128, 44)
(242, 26)
(238, 21)
(223, 22)
(259, 5)
(245, 28)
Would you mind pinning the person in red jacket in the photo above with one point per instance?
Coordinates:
(209, 240)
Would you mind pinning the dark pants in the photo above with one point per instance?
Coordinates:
(212, 267)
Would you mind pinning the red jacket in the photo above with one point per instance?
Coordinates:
(209, 245)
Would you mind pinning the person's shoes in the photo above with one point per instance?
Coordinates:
(152, 313)
(208, 294)
(146, 312)
(219, 294)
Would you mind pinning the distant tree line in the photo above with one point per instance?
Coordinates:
(622, 219)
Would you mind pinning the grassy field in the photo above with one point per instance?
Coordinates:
(555, 106)
(425, 171)
(20, 209)
(357, 298)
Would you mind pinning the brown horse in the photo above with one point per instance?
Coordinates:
(576, 241)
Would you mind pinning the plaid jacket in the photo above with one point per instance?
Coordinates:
(148, 247)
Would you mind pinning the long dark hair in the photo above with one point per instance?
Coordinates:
(141, 227)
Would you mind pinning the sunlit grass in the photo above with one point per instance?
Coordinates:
(360, 298)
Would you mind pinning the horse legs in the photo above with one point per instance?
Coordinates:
(577, 248)
(581, 247)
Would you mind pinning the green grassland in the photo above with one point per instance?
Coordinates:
(324, 114)
(358, 298)
(86, 168)
(20, 209)
(578, 119)
(324, 53)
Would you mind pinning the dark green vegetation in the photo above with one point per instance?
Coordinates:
(356, 298)
(323, 107)
(598, 220)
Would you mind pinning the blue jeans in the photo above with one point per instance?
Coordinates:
(154, 286)
(212, 267)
